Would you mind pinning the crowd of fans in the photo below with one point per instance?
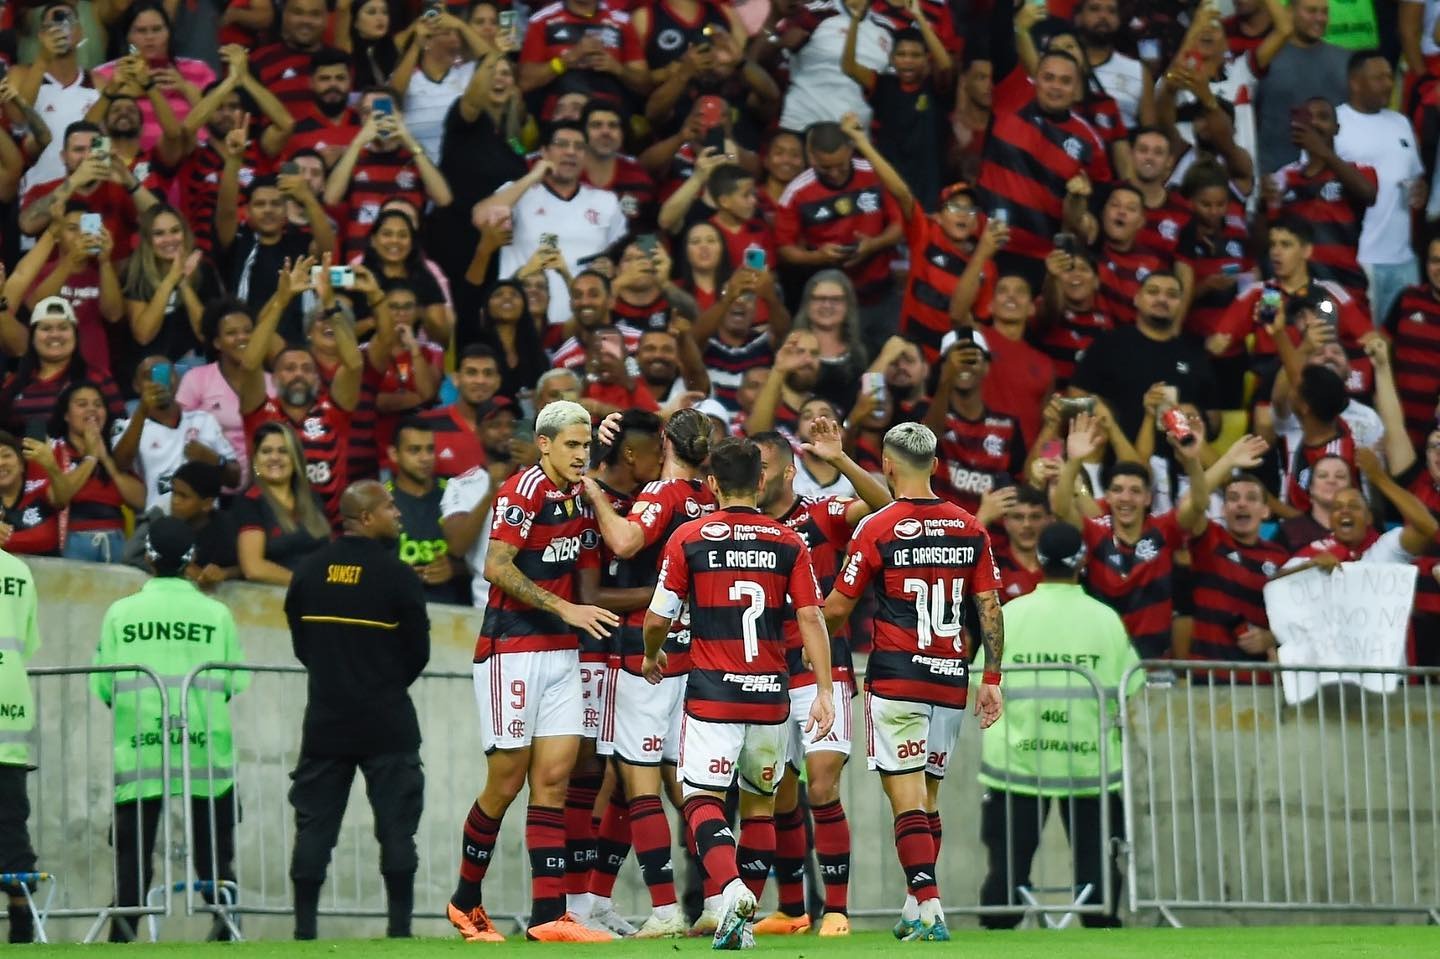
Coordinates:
(255, 251)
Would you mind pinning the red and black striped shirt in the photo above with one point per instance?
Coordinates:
(936, 263)
(654, 315)
(1134, 579)
(1160, 236)
(198, 177)
(1425, 620)
(324, 433)
(285, 72)
(1414, 328)
(1121, 273)
(1334, 215)
(1227, 253)
(812, 214)
(658, 510)
(1016, 579)
(977, 456)
(316, 131)
(378, 178)
(743, 575)
(1229, 596)
(555, 536)
(927, 556)
(634, 186)
(821, 525)
(1065, 340)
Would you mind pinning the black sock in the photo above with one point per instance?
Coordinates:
(22, 924)
(400, 901)
(307, 909)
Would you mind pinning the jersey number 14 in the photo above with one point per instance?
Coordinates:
(932, 620)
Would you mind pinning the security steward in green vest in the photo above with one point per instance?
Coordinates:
(19, 640)
(1047, 745)
(358, 624)
(171, 627)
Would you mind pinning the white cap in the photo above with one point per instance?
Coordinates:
(53, 306)
(951, 338)
(713, 408)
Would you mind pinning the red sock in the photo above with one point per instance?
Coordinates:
(917, 854)
(612, 845)
(756, 852)
(790, 849)
(650, 832)
(832, 850)
(714, 842)
(935, 831)
(545, 839)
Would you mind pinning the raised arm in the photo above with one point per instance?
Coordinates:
(1070, 504)
(972, 278)
(1420, 523)
(890, 177)
(827, 442)
(1399, 453)
(853, 68)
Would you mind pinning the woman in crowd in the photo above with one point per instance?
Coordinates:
(93, 527)
(506, 328)
(394, 257)
(280, 521)
(147, 30)
(215, 387)
(1328, 477)
(434, 71)
(167, 284)
(33, 490)
(51, 364)
(705, 265)
(829, 310)
(373, 51)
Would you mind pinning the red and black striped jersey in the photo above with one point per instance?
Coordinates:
(977, 456)
(34, 522)
(571, 353)
(1239, 44)
(316, 131)
(659, 509)
(654, 315)
(927, 556)
(1016, 580)
(324, 433)
(1067, 339)
(285, 72)
(1334, 215)
(555, 536)
(1134, 579)
(820, 523)
(812, 214)
(380, 176)
(727, 364)
(1239, 320)
(935, 267)
(1422, 485)
(1160, 236)
(1028, 160)
(1229, 253)
(364, 427)
(555, 28)
(1414, 328)
(1297, 462)
(1120, 274)
(1425, 620)
(457, 445)
(1229, 596)
(635, 188)
(198, 177)
(742, 575)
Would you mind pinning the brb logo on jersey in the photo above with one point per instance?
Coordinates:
(565, 549)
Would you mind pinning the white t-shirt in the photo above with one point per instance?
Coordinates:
(583, 225)
(1385, 141)
(819, 89)
(808, 485)
(1238, 87)
(162, 450)
(462, 493)
(1386, 549)
(427, 102)
(1124, 79)
(1365, 426)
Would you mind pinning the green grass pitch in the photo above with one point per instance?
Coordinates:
(1311, 942)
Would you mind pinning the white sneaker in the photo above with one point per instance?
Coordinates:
(656, 928)
(736, 914)
(747, 938)
(706, 924)
(604, 916)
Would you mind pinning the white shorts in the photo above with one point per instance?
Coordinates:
(906, 737)
(713, 755)
(593, 681)
(605, 741)
(840, 735)
(527, 696)
(647, 719)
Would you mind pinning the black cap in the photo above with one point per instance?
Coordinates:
(1060, 545)
(205, 479)
(495, 404)
(169, 544)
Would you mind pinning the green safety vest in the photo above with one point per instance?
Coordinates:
(1047, 740)
(171, 627)
(19, 639)
(1352, 25)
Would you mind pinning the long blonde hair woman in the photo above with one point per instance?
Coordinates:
(280, 520)
(167, 284)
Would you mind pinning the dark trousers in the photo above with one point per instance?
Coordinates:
(16, 852)
(1010, 826)
(133, 835)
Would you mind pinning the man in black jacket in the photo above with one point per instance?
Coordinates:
(358, 624)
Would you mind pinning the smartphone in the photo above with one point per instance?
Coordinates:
(134, 50)
(91, 224)
(100, 147)
(341, 277)
(1194, 59)
(1052, 450)
(289, 168)
(1231, 269)
(161, 374)
(550, 240)
(382, 106)
(35, 430)
(507, 21)
(1001, 215)
(1067, 243)
(755, 257)
(612, 344)
(647, 242)
(1300, 116)
(714, 139)
(848, 248)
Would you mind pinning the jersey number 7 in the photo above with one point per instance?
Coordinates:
(745, 590)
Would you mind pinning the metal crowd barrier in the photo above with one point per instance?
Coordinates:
(74, 785)
(1356, 828)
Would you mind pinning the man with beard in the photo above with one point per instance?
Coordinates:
(826, 524)
(1122, 365)
(1124, 78)
(552, 203)
(465, 506)
(225, 107)
(795, 373)
(382, 162)
(980, 449)
(418, 496)
(1132, 553)
(284, 66)
(589, 313)
(118, 113)
(1304, 68)
(732, 347)
(906, 373)
(1123, 266)
(606, 168)
(1020, 569)
(838, 214)
(97, 183)
(56, 85)
(1152, 159)
(326, 124)
(1070, 316)
(1354, 537)
(322, 417)
(457, 427)
(610, 386)
(670, 363)
(358, 624)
